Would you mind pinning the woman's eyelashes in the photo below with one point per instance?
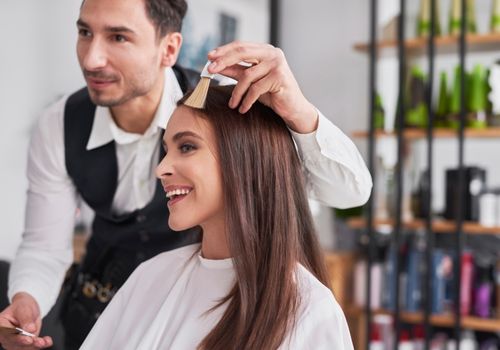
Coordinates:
(186, 147)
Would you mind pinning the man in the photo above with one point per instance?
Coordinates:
(103, 143)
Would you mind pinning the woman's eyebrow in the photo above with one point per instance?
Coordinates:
(182, 134)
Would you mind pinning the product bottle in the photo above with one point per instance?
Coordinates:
(455, 98)
(376, 342)
(477, 118)
(468, 341)
(456, 16)
(494, 93)
(424, 19)
(495, 16)
(442, 108)
(418, 338)
(483, 292)
(497, 287)
(467, 278)
(416, 112)
(404, 341)
(379, 113)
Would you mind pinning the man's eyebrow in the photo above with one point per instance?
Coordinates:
(81, 23)
(111, 29)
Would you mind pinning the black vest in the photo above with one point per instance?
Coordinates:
(118, 243)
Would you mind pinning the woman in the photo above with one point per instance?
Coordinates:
(257, 281)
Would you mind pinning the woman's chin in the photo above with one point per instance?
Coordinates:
(178, 226)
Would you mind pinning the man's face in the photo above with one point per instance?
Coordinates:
(118, 50)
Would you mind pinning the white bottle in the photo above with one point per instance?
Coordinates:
(404, 341)
(468, 341)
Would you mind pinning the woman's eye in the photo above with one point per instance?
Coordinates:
(186, 147)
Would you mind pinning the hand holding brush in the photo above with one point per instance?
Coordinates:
(269, 80)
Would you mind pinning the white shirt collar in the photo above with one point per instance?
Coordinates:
(105, 130)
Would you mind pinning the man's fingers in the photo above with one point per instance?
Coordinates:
(43, 342)
(255, 91)
(235, 52)
(27, 318)
(245, 79)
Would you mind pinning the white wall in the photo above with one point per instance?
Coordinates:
(37, 64)
(317, 38)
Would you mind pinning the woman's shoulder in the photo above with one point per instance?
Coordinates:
(317, 302)
(320, 323)
(311, 289)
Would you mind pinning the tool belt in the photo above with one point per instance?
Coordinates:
(87, 291)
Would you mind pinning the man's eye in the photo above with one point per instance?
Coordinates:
(83, 32)
(119, 38)
(186, 147)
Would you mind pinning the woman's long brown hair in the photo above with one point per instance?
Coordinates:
(269, 225)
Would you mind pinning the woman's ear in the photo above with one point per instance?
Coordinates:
(171, 46)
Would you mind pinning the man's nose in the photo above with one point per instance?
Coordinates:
(96, 57)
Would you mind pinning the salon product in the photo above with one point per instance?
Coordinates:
(468, 341)
(418, 338)
(424, 19)
(495, 16)
(475, 182)
(467, 279)
(404, 341)
(477, 116)
(442, 108)
(483, 292)
(487, 209)
(456, 17)
(376, 342)
(497, 287)
(494, 94)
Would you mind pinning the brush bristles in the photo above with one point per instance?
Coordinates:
(199, 95)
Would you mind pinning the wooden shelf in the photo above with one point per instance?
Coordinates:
(468, 322)
(438, 226)
(475, 42)
(414, 134)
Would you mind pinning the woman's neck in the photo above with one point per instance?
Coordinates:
(214, 243)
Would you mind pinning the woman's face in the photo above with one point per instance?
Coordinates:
(190, 173)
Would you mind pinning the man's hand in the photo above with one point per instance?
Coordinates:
(23, 313)
(268, 80)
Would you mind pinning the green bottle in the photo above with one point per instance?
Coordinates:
(477, 117)
(416, 112)
(495, 17)
(454, 115)
(456, 16)
(424, 19)
(442, 110)
(379, 112)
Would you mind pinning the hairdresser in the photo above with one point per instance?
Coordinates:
(102, 144)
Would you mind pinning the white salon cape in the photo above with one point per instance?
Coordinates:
(164, 304)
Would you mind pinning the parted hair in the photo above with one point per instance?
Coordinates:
(269, 224)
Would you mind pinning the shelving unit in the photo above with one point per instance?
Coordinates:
(438, 226)
(475, 43)
(445, 321)
(415, 134)
(414, 47)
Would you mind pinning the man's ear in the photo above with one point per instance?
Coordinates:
(171, 45)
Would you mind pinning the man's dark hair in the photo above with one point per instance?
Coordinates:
(166, 15)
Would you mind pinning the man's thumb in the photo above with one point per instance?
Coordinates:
(27, 318)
